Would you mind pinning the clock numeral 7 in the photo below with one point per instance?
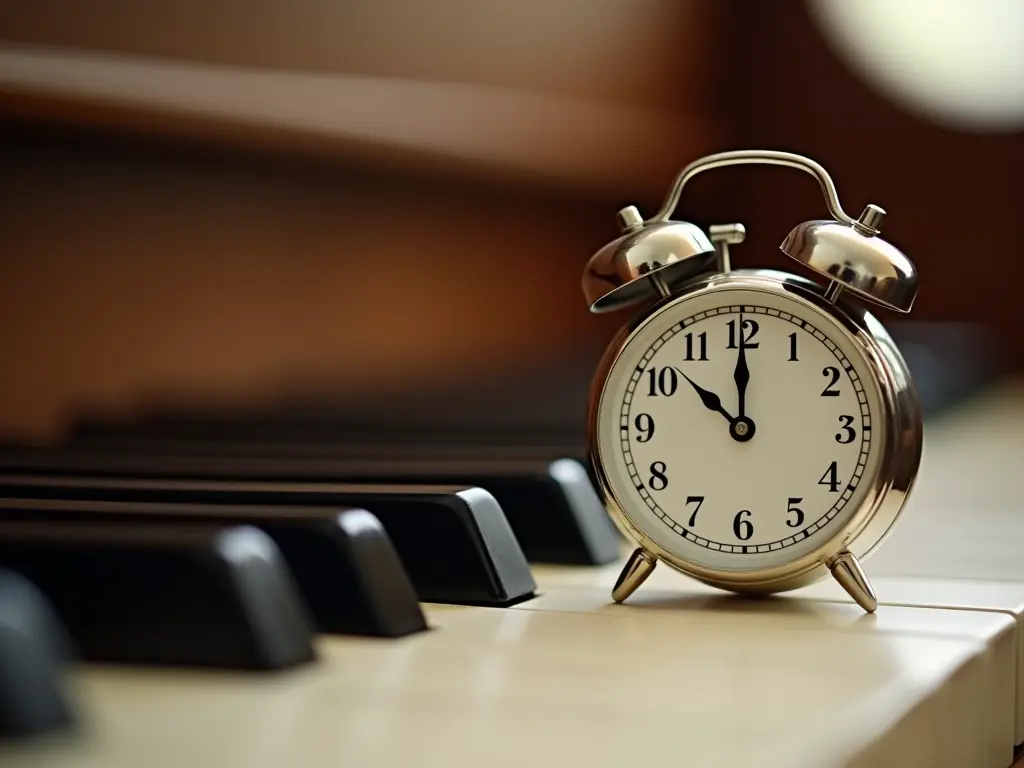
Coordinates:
(690, 500)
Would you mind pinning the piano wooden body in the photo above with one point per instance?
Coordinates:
(215, 224)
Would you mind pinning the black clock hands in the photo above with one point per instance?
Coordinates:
(741, 428)
(711, 401)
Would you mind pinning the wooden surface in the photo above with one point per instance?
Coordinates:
(682, 672)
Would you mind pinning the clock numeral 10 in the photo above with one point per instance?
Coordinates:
(663, 382)
(702, 343)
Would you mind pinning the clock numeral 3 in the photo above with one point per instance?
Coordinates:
(832, 475)
(743, 529)
(834, 373)
(645, 424)
(664, 382)
(702, 343)
(848, 434)
(690, 500)
(750, 329)
(658, 480)
(799, 519)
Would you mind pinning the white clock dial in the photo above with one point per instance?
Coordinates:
(740, 428)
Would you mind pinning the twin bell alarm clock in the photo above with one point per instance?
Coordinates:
(751, 428)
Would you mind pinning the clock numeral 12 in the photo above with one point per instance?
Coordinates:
(748, 338)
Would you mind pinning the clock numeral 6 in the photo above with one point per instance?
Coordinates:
(743, 529)
(663, 382)
(658, 480)
(645, 425)
(848, 434)
(799, 519)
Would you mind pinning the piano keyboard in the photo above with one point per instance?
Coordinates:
(163, 603)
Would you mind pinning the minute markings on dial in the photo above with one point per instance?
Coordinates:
(850, 474)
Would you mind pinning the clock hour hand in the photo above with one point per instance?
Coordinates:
(711, 401)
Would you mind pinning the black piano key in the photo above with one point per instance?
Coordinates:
(165, 594)
(342, 559)
(454, 543)
(551, 505)
(34, 652)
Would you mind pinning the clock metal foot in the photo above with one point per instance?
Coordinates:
(639, 566)
(847, 571)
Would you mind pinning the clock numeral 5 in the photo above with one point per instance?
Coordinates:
(645, 425)
(658, 480)
(799, 519)
(743, 529)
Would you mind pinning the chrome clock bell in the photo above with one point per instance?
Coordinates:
(752, 428)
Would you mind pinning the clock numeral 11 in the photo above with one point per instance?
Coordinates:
(702, 342)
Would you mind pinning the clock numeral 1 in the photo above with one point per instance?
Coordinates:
(848, 434)
(645, 424)
(690, 500)
(799, 519)
(834, 374)
(749, 331)
(832, 473)
(663, 382)
(658, 480)
(792, 348)
(702, 339)
(743, 529)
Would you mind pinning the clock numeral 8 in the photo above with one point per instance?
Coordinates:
(658, 480)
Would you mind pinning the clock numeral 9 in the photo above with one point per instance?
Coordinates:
(848, 434)
(743, 529)
(664, 382)
(833, 372)
(645, 425)
(658, 480)
(748, 331)
(799, 519)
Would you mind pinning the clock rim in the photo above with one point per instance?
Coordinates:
(897, 467)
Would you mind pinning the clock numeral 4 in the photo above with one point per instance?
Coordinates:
(645, 425)
(663, 382)
(849, 434)
(690, 500)
(749, 330)
(795, 522)
(833, 373)
(831, 478)
(742, 527)
(658, 480)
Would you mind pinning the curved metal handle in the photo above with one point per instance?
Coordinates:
(755, 157)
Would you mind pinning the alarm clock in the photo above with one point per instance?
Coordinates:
(754, 429)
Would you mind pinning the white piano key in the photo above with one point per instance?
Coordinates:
(525, 687)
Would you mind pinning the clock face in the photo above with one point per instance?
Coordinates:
(740, 428)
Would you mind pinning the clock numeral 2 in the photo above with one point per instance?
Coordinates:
(743, 529)
(799, 519)
(834, 373)
(645, 424)
(658, 480)
(663, 382)
(691, 500)
(748, 338)
(832, 473)
(702, 339)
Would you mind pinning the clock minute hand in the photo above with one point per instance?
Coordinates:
(741, 375)
(711, 401)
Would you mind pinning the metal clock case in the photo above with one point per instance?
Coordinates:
(693, 295)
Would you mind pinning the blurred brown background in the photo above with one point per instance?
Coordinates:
(231, 201)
